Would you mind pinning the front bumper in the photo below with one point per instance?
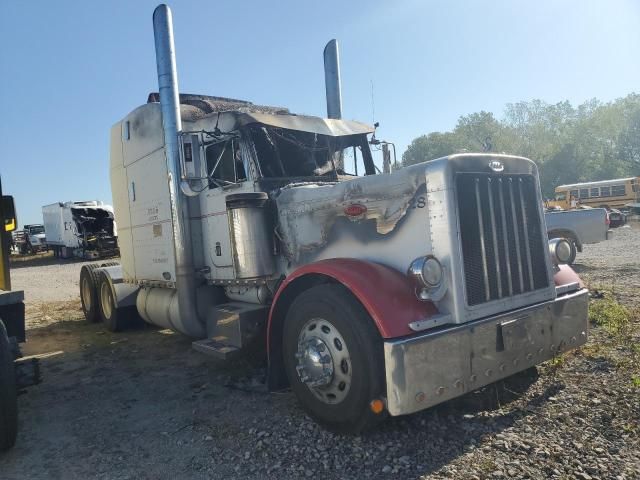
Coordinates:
(428, 369)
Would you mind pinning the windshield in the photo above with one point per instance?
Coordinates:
(36, 230)
(286, 153)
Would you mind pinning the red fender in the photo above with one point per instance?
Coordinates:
(386, 294)
(566, 275)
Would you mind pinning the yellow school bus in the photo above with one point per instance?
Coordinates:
(618, 193)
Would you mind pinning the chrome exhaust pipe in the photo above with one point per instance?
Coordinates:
(332, 79)
(188, 321)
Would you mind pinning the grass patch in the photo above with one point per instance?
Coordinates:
(610, 314)
(622, 323)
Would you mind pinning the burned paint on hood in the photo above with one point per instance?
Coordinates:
(308, 212)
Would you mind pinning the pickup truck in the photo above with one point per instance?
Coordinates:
(579, 227)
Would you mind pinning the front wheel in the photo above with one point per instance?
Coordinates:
(8, 393)
(333, 356)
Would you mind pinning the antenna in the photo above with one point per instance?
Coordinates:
(373, 105)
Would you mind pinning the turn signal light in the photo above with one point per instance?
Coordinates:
(377, 406)
(355, 210)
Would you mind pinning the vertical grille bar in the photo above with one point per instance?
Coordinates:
(495, 236)
(505, 235)
(525, 222)
(483, 250)
(516, 234)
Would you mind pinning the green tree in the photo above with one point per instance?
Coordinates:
(593, 141)
(429, 147)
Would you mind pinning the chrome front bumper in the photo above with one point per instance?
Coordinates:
(428, 369)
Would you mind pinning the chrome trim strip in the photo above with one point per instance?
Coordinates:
(526, 233)
(487, 292)
(569, 287)
(505, 237)
(495, 237)
(435, 321)
(516, 234)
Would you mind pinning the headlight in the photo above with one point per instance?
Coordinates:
(560, 250)
(427, 274)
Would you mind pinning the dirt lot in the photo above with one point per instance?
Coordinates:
(143, 404)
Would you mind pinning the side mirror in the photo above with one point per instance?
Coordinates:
(8, 211)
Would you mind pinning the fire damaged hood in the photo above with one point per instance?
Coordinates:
(307, 212)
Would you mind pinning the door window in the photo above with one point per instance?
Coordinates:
(224, 164)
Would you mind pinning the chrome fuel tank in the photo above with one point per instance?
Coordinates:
(251, 235)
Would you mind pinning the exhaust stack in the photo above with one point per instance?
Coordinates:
(332, 79)
(188, 321)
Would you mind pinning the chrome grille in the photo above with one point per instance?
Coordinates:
(502, 243)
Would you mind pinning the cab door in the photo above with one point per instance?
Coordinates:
(228, 171)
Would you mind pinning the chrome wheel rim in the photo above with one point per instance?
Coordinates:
(323, 362)
(86, 294)
(105, 300)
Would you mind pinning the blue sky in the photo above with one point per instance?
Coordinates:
(69, 70)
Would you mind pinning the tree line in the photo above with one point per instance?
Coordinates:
(593, 141)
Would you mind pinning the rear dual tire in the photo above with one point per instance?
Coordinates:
(98, 301)
(89, 292)
(115, 319)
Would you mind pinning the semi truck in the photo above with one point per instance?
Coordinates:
(31, 239)
(16, 373)
(81, 229)
(374, 295)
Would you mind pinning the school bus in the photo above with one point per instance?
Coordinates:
(618, 193)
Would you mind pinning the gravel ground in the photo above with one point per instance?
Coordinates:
(143, 404)
(45, 278)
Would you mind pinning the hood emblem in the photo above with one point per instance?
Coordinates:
(496, 166)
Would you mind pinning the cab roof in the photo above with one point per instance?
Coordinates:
(231, 114)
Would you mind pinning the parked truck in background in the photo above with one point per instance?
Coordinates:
(379, 294)
(31, 239)
(580, 227)
(15, 373)
(81, 229)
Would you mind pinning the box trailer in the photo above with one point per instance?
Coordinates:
(81, 229)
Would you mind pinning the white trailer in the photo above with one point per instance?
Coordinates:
(384, 293)
(81, 229)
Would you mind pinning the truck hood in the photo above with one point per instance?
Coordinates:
(307, 212)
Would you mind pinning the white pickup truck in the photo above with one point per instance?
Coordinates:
(590, 225)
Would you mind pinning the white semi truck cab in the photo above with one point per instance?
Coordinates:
(375, 294)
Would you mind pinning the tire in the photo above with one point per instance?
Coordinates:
(89, 293)
(574, 252)
(8, 394)
(331, 315)
(115, 319)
